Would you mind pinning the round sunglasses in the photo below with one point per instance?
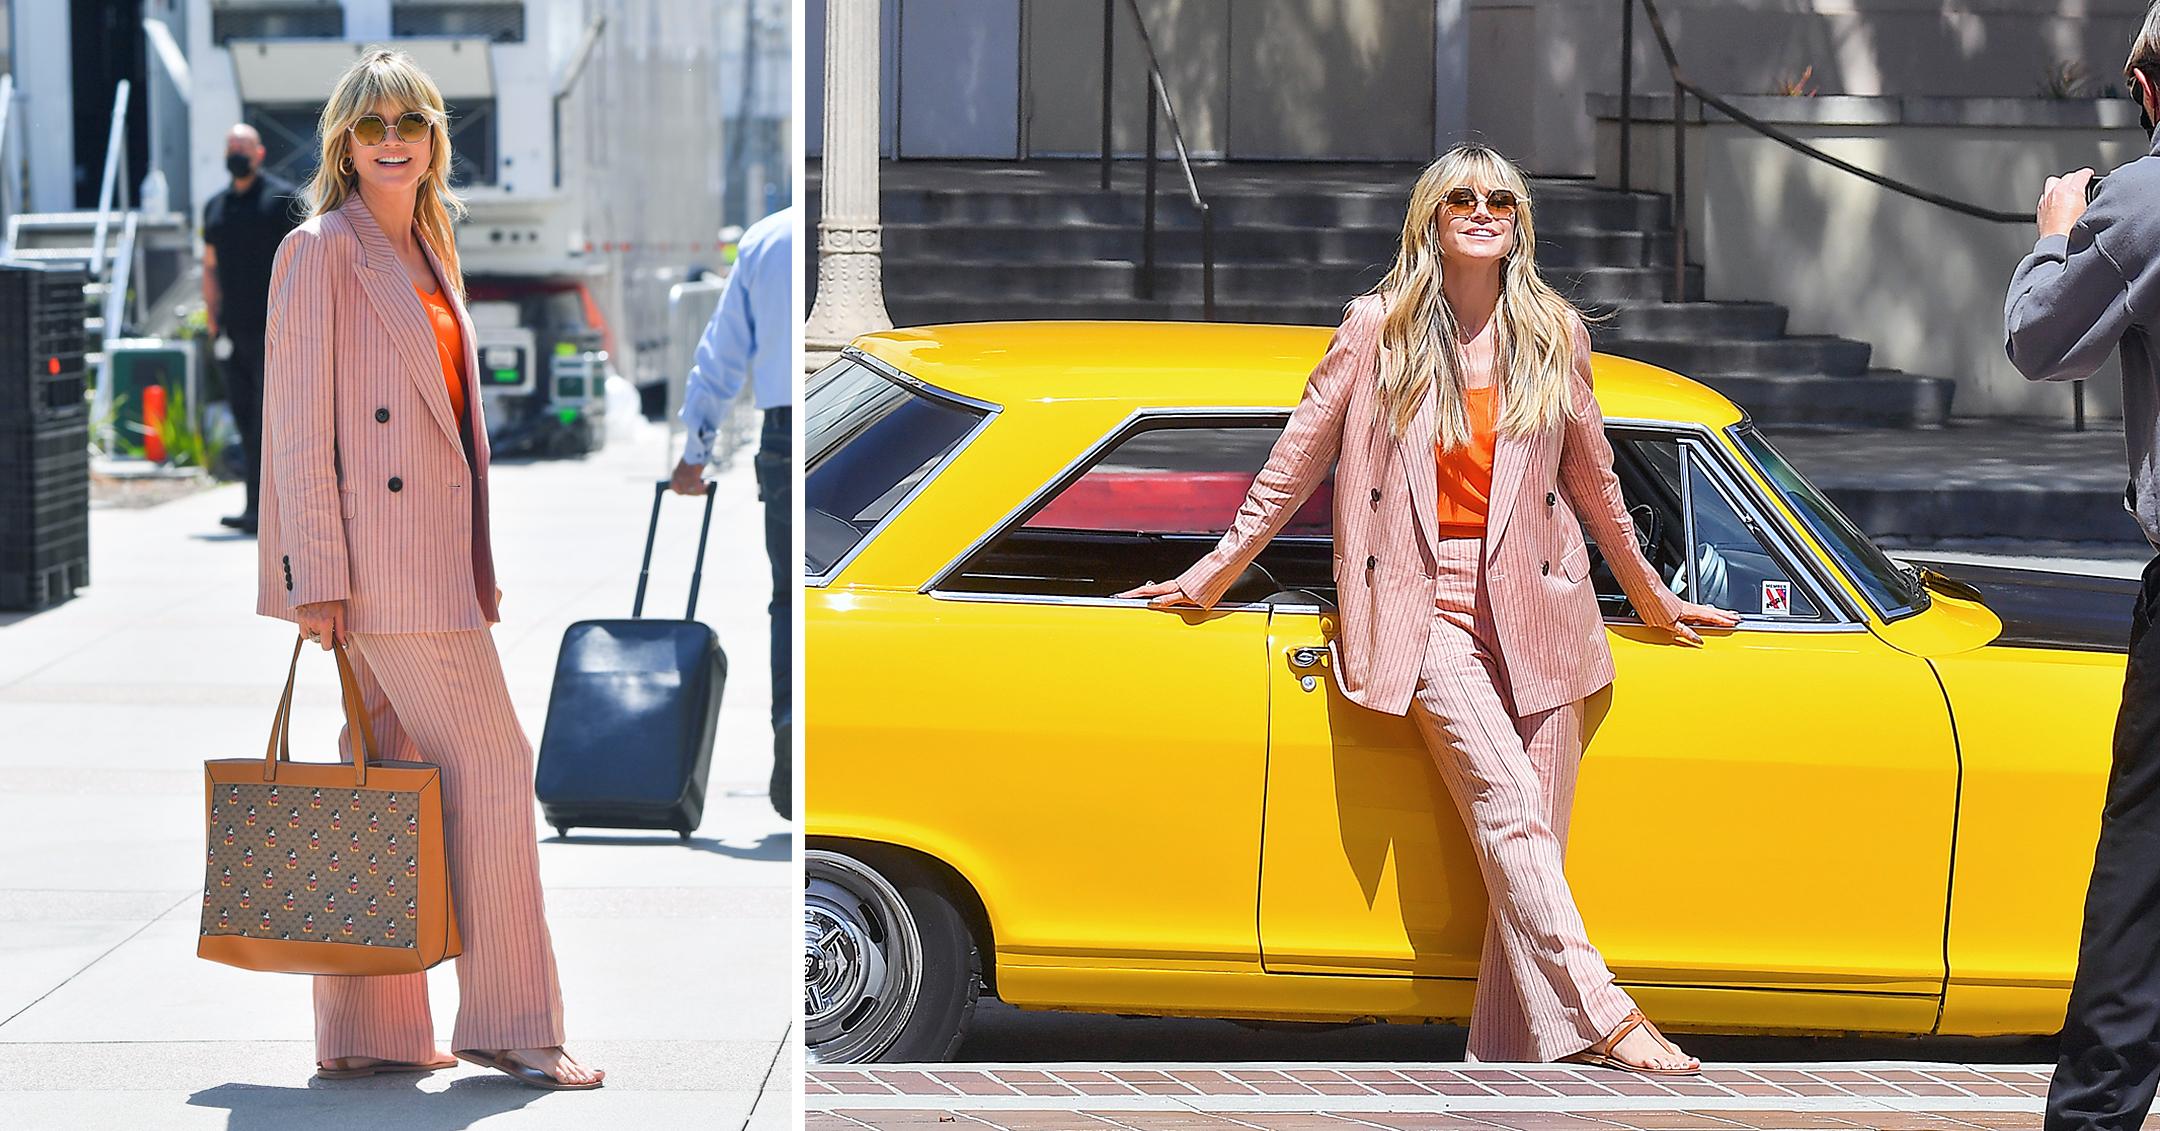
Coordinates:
(412, 127)
(1462, 200)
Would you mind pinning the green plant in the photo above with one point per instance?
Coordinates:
(2065, 78)
(185, 444)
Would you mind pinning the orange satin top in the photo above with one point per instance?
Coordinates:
(449, 348)
(1465, 474)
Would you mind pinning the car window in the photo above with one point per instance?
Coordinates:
(1648, 466)
(1147, 505)
(1731, 568)
(1894, 592)
(872, 441)
(1701, 543)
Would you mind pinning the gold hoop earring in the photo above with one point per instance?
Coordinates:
(345, 165)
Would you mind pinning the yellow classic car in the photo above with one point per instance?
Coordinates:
(1871, 808)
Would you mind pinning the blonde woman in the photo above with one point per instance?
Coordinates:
(374, 537)
(1455, 405)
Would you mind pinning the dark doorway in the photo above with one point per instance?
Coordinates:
(107, 42)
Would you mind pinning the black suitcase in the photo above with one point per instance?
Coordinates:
(630, 721)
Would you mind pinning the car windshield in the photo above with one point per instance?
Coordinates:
(1894, 590)
(872, 441)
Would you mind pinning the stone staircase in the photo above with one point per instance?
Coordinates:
(975, 241)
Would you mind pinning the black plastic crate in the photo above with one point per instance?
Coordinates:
(35, 589)
(26, 445)
(43, 555)
(38, 505)
(39, 473)
(42, 342)
(53, 527)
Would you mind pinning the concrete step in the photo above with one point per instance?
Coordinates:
(1976, 483)
(1558, 208)
(925, 310)
(1587, 286)
(1700, 357)
(1664, 320)
(1117, 279)
(1879, 399)
(1257, 243)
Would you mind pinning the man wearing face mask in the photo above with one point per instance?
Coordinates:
(242, 227)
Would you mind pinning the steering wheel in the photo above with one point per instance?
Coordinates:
(1649, 529)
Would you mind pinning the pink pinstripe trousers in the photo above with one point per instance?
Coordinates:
(1543, 991)
(440, 697)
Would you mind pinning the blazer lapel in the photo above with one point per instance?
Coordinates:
(473, 419)
(1511, 456)
(390, 291)
(1422, 464)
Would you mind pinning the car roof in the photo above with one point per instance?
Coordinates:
(1189, 364)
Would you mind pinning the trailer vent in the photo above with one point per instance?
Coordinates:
(275, 19)
(500, 21)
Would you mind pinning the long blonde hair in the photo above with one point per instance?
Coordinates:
(383, 75)
(1534, 325)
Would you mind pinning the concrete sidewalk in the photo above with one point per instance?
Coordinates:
(675, 960)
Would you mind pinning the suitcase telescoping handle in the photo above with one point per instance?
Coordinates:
(697, 574)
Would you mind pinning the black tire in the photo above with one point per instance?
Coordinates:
(893, 972)
(951, 980)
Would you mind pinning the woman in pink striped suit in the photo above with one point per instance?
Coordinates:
(1454, 405)
(374, 535)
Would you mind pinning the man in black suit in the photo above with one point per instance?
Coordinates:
(242, 227)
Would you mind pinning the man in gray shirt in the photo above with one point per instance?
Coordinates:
(2091, 284)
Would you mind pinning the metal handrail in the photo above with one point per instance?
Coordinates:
(112, 181)
(1158, 93)
(1682, 87)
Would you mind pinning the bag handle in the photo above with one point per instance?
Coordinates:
(697, 573)
(356, 717)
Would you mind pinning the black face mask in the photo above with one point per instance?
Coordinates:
(239, 165)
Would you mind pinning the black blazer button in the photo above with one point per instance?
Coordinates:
(1371, 562)
(382, 416)
(288, 563)
(1551, 498)
(1376, 494)
(1544, 568)
(396, 484)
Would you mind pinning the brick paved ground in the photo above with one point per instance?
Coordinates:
(1881, 1096)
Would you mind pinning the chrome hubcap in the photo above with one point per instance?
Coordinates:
(862, 960)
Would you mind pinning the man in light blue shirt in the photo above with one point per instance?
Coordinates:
(752, 334)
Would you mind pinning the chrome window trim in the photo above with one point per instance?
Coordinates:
(1888, 616)
(989, 412)
(1838, 615)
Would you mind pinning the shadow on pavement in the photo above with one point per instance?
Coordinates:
(328, 1105)
(772, 846)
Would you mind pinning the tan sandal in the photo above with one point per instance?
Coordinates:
(501, 1061)
(324, 1072)
(1601, 1054)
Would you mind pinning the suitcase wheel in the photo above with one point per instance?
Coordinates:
(684, 834)
(562, 830)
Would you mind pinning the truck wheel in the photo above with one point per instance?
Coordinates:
(891, 971)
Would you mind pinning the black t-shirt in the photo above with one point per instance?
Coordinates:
(246, 228)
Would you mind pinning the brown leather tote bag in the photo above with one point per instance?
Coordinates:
(325, 867)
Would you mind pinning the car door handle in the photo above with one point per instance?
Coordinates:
(1306, 656)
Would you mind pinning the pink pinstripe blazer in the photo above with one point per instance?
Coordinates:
(1552, 638)
(369, 493)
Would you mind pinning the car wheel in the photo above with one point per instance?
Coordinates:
(890, 969)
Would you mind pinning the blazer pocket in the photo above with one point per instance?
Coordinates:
(1575, 564)
(348, 503)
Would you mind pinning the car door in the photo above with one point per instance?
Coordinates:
(1125, 747)
(1772, 811)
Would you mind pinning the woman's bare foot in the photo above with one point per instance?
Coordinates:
(1646, 1048)
(540, 1068)
(347, 1067)
(556, 1063)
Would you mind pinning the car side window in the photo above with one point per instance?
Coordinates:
(1702, 545)
(1147, 505)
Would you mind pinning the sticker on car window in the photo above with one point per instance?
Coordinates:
(1777, 598)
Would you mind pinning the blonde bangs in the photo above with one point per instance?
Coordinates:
(383, 75)
(1533, 324)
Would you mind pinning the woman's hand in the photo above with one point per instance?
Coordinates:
(1690, 614)
(322, 621)
(1161, 595)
